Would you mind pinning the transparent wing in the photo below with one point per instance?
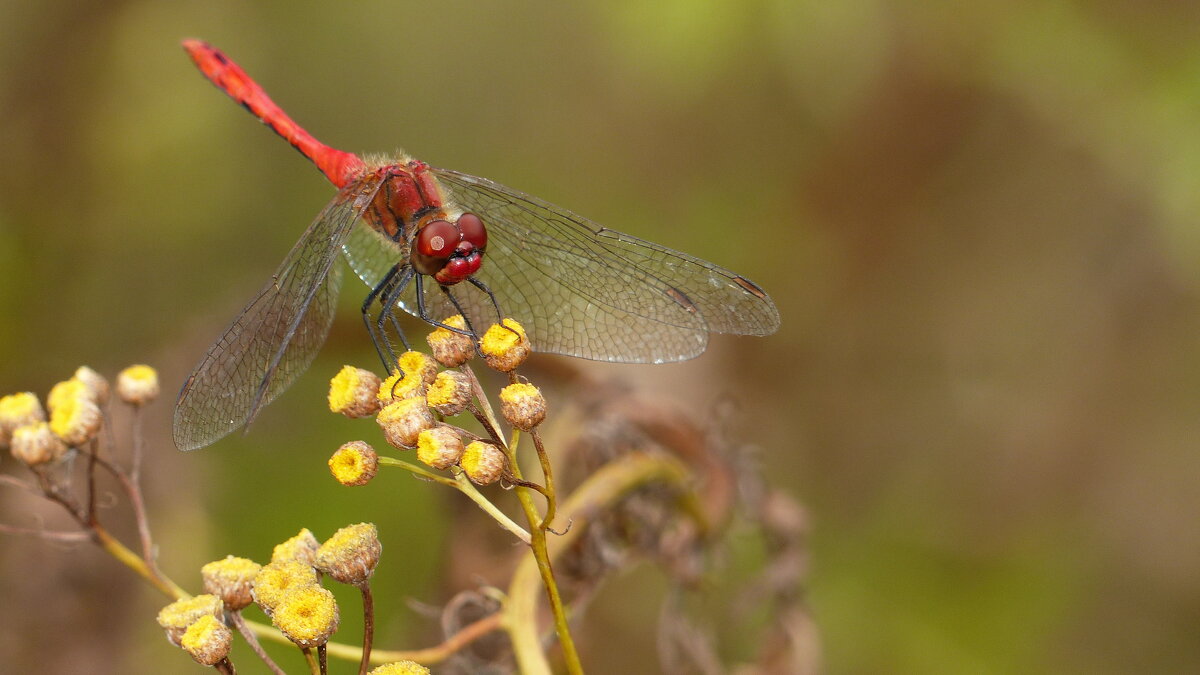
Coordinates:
(584, 290)
(275, 338)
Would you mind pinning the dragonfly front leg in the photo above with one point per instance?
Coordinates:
(386, 291)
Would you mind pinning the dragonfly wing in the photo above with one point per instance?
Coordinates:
(584, 290)
(275, 338)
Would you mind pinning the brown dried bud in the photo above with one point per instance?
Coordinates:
(449, 348)
(404, 420)
(483, 463)
(450, 393)
(522, 405)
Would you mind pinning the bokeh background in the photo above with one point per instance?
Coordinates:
(980, 222)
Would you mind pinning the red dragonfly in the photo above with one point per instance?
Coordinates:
(412, 232)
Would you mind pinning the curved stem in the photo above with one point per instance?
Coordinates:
(542, 558)
(597, 494)
(461, 483)
(368, 626)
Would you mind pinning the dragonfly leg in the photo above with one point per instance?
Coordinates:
(386, 292)
(499, 314)
(388, 301)
(424, 314)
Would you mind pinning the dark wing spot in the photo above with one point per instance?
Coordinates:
(750, 287)
(683, 300)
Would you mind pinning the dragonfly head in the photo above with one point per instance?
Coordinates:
(450, 252)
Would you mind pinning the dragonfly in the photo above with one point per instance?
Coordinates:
(435, 243)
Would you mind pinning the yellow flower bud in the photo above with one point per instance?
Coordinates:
(276, 580)
(483, 463)
(300, 548)
(232, 580)
(419, 364)
(18, 410)
(450, 393)
(76, 420)
(355, 463)
(352, 392)
(177, 616)
(439, 447)
(403, 420)
(350, 555)
(307, 616)
(207, 640)
(449, 348)
(522, 405)
(505, 346)
(95, 383)
(35, 444)
(137, 385)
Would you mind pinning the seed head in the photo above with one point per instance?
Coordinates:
(449, 348)
(350, 555)
(95, 383)
(522, 405)
(232, 580)
(300, 548)
(420, 364)
(35, 444)
(355, 463)
(18, 410)
(352, 392)
(505, 346)
(177, 616)
(402, 421)
(307, 616)
(137, 385)
(207, 640)
(450, 393)
(275, 581)
(400, 668)
(76, 420)
(439, 447)
(483, 463)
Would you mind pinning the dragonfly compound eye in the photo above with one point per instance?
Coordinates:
(437, 239)
(472, 230)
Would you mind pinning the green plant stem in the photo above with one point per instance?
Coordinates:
(541, 556)
(461, 483)
(134, 562)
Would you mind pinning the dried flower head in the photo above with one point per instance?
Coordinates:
(355, 463)
(352, 392)
(76, 420)
(307, 616)
(522, 405)
(505, 345)
(137, 385)
(232, 580)
(450, 393)
(402, 421)
(439, 447)
(67, 390)
(449, 348)
(300, 548)
(95, 382)
(207, 640)
(420, 364)
(35, 444)
(483, 463)
(400, 668)
(275, 581)
(18, 410)
(350, 555)
(177, 616)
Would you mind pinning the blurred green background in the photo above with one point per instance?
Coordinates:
(980, 222)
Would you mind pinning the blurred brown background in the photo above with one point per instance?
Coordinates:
(980, 222)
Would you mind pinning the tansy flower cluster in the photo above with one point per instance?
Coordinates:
(73, 415)
(411, 403)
